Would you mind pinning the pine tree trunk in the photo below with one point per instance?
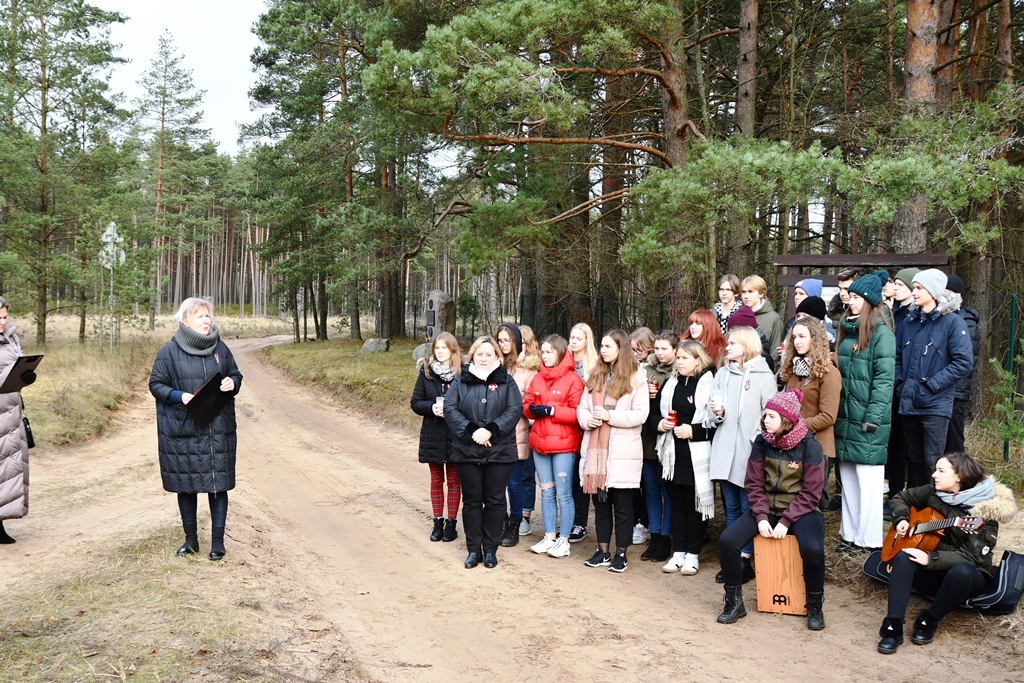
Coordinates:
(746, 71)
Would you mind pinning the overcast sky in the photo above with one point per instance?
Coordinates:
(216, 40)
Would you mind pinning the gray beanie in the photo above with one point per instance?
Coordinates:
(933, 280)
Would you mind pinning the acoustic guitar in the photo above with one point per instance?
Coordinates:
(926, 529)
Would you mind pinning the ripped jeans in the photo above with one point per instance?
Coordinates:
(554, 473)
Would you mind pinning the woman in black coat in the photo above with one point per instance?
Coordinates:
(437, 372)
(196, 456)
(482, 408)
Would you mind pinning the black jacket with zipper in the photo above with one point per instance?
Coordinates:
(495, 405)
(194, 459)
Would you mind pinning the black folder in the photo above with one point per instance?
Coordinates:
(208, 401)
(21, 366)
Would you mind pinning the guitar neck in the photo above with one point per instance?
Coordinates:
(933, 526)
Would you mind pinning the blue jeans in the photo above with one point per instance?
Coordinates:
(734, 499)
(556, 469)
(515, 492)
(659, 510)
(529, 484)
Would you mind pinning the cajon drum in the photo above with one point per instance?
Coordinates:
(779, 573)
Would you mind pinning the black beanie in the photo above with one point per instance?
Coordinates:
(813, 306)
(955, 284)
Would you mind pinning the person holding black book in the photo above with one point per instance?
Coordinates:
(13, 439)
(197, 442)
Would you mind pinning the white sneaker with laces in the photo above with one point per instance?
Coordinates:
(640, 534)
(524, 527)
(691, 565)
(560, 548)
(545, 544)
(675, 563)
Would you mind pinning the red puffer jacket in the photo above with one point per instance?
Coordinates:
(561, 388)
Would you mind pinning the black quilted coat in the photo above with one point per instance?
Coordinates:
(435, 436)
(495, 404)
(194, 459)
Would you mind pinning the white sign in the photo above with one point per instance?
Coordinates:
(111, 247)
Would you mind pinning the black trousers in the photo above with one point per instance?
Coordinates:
(896, 460)
(925, 440)
(483, 503)
(188, 506)
(950, 588)
(688, 526)
(955, 434)
(810, 535)
(617, 502)
(582, 500)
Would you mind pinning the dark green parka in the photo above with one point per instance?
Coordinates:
(866, 399)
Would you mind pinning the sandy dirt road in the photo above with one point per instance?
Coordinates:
(329, 524)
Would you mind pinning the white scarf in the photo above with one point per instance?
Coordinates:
(700, 451)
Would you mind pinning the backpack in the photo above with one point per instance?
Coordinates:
(1001, 595)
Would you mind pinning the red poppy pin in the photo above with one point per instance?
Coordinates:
(492, 387)
(216, 357)
(746, 386)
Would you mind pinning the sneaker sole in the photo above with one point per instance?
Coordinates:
(557, 557)
(617, 570)
(689, 572)
(671, 570)
(600, 564)
(540, 552)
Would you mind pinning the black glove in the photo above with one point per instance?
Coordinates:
(28, 377)
(869, 427)
(541, 411)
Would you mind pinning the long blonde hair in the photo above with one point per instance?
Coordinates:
(530, 345)
(589, 352)
(750, 340)
(618, 378)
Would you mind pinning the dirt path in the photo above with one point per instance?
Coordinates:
(330, 519)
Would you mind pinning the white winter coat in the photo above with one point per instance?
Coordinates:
(745, 393)
(625, 448)
(13, 444)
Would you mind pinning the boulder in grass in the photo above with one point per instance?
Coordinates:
(421, 351)
(376, 346)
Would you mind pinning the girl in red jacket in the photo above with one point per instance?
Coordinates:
(551, 400)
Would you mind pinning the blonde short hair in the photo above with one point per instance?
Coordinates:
(756, 283)
(486, 339)
(190, 306)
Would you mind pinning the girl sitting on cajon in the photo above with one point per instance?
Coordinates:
(785, 474)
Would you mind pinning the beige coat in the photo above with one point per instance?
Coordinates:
(625, 447)
(525, 372)
(13, 443)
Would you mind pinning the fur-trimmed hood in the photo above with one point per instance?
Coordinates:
(531, 362)
(1001, 508)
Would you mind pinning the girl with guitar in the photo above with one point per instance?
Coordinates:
(961, 564)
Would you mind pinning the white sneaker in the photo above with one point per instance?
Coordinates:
(640, 534)
(524, 527)
(675, 563)
(691, 565)
(560, 548)
(545, 544)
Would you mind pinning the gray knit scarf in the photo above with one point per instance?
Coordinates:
(980, 492)
(195, 344)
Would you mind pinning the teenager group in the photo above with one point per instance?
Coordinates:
(600, 420)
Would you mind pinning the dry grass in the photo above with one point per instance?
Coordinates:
(135, 612)
(379, 385)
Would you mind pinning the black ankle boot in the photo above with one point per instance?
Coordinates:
(924, 628)
(510, 538)
(438, 531)
(891, 633)
(734, 609)
(663, 550)
(217, 551)
(748, 569)
(4, 538)
(450, 534)
(652, 547)
(191, 545)
(815, 617)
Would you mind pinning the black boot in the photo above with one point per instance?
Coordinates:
(645, 556)
(815, 617)
(734, 608)
(511, 536)
(450, 534)
(438, 531)
(4, 538)
(663, 550)
(924, 628)
(891, 633)
(748, 569)
(191, 545)
(217, 551)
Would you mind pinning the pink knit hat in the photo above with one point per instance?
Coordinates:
(787, 404)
